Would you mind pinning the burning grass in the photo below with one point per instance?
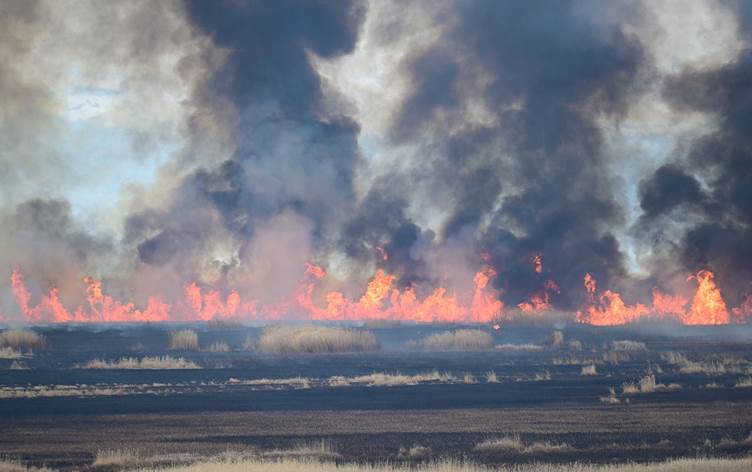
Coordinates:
(157, 362)
(458, 340)
(315, 340)
(184, 340)
(22, 339)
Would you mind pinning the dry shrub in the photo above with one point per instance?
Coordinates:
(616, 357)
(545, 375)
(458, 340)
(628, 346)
(468, 378)
(15, 365)
(9, 353)
(22, 339)
(184, 340)
(219, 346)
(611, 398)
(648, 384)
(491, 377)
(673, 357)
(157, 362)
(588, 370)
(575, 345)
(315, 340)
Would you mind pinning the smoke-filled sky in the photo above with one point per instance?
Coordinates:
(230, 143)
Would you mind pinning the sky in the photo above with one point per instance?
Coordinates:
(231, 143)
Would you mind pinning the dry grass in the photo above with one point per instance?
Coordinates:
(315, 340)
(673, 357)
(156, 363)
(9, 353)
(588, 370)
(648, 384)
(7, 465)
(708, 368)
(380, 379)
(744, 382)
(611, 398)
(219, 346)
(118, 457)
(458, 340)
(516, 445)
(249, 344)
(628, 346)
(519, 347)
(414, 452)
(22, 339)
(557, 339)
(293, 382)
(184, 340)
(318, 451)
(449, 465)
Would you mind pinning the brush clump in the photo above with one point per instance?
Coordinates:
(308, 339)
(184, 340)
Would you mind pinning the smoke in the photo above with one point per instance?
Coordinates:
(231, 143)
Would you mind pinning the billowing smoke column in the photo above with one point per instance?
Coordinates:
(478, 182)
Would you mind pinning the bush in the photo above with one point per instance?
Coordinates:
(628, 346)
(458, 340)
(22, 339)
(315, 340)
(184, 340)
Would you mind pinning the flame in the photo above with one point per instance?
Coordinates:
(382, 253)
(538, 264)
(708, 307)
(380, 300)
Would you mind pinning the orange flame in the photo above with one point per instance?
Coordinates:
(707, 308)
(380, 300)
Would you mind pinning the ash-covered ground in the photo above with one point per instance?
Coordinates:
(524, 393)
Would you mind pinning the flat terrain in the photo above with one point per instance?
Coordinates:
(57, 413)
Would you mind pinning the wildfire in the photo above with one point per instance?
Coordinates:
(707, 308)
(380, 300)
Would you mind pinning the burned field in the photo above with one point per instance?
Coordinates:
(419, 393)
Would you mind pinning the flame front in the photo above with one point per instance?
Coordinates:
(707, 308)
(380, 300)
